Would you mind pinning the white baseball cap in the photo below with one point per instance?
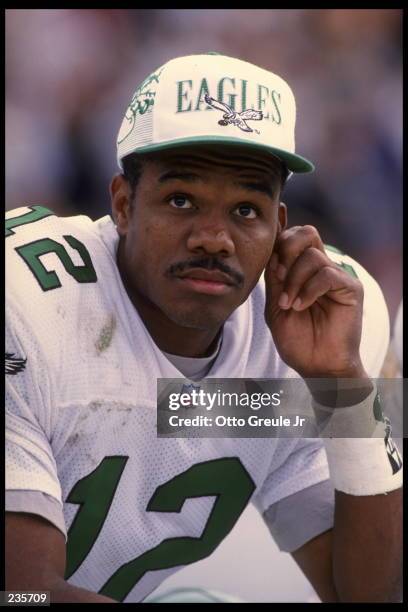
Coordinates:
(210, 99)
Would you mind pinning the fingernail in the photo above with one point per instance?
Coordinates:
(274, 262)
(281, 272)
(297, 304)
(283, 300)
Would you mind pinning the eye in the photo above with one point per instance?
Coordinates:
(180, 201)
(247, 211)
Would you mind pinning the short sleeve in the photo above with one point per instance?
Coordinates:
(30, 464)
(300, 517)
(296, 500)
(35, 502)
(297, 465)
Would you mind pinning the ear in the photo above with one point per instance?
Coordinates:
(282, 217)
(121, 206)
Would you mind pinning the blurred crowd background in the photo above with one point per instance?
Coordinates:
(70, 74)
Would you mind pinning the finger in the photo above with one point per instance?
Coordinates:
(305, 266)
(332, 283)
(273, 262)
(271, 269)
(273, 288)
(291, 243)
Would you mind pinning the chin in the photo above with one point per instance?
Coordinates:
(204, 319)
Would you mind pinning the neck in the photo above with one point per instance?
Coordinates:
(170, 337)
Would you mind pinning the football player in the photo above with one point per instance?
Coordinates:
(196, 275)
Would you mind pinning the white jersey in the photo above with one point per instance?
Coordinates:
(397, 336)
(81, 411)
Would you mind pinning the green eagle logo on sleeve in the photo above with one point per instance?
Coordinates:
(14, 365)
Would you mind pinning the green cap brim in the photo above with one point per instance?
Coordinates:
(295, 163)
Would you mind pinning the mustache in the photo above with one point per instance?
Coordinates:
(207, 263)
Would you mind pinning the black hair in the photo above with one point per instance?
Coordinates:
(133, 165)
(284, 175)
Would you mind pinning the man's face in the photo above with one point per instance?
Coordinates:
(199, 231)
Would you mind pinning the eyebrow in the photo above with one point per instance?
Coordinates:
(261, 187)
(176, 174)
(264, 188)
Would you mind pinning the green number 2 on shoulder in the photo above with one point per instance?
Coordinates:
(33, 251)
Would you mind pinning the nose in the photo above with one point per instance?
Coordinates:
(212, 238)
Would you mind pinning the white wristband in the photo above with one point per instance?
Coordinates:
(362, 466)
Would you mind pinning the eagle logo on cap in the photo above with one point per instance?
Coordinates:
(142, 101)
(232, 117)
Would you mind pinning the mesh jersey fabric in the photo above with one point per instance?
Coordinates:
(86, 400)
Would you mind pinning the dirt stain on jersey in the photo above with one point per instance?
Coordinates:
(95, 406)
(72, 440)
(105, 335)
(61, 311)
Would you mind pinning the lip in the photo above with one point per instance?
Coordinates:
(207, 282)
(207, 275)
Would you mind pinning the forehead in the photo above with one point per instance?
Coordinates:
(218, 160)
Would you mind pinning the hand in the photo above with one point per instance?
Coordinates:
(313, 308)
